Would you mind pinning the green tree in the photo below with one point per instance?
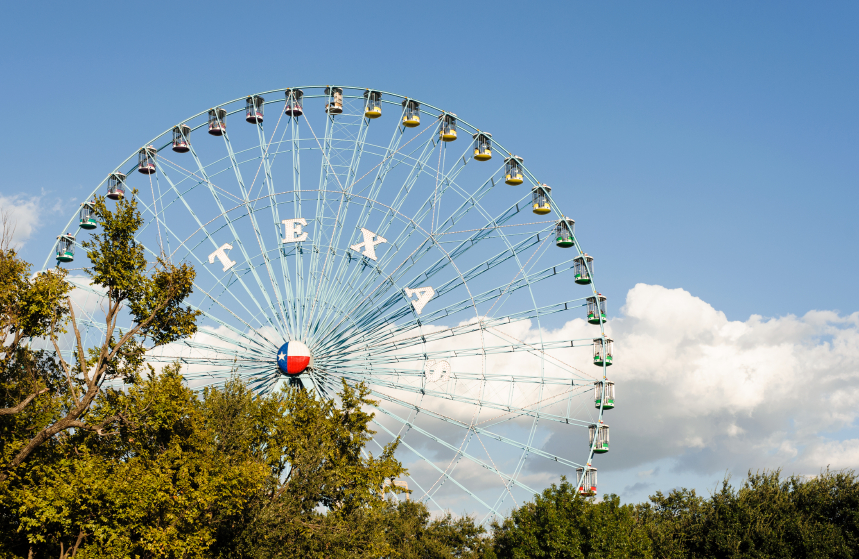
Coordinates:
(44, 395)
(766, 517)
(561, 523)
(412, 534)
(325, 498)
(160, 488)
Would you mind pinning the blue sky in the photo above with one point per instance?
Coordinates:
(703, 146)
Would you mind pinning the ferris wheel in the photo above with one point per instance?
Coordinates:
(344, 233)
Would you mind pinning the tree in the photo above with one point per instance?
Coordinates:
(561, 523)
(325, 497)
(161, 488)
(55, 395)
(767, 517)
(412, 535)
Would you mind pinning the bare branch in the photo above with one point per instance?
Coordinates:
(98, 428)
(66, 366)
(7, 230)
(81, 354)
(143, 324)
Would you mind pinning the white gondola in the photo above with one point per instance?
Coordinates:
(540, 203)
(66, 247)
(597, 311)
(182, 138)
(87, 216)
(604, 388)
(372, 104)
(447, 129)
(587, 479)
(254, 106)
(513, 170)
(335, 100)
(601, 435)
(116, 186)
(146, 160)
(217, 121)
(602, 355)
(482, 146)
(411, 113)
(583, 265)
(294, 102)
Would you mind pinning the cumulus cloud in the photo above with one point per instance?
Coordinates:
(716, 394)
(23, 215)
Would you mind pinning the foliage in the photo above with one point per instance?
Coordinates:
(329, 502)
(561, 523)
(155, 490)
(412, 535)
(767, 517)
(44, 395)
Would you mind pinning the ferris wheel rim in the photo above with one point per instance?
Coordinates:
(463, 125)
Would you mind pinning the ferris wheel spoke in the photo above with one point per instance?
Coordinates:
(374, 189)
(393, 212)
(393, 309)
(182, 243)
(371, 370)
(444, 443)
(197, 286)
(231, 347)
(537, 406)
(296, 203)
(224, 213)
(445, 182)
(483, 403)
(375, 311)
(386, 220)
(378, 337)
(287, 305)
(426, 209)
(478, 430)
(281, 325)
(319, 220)
(377, 358)
(330, 278)
(230, 327)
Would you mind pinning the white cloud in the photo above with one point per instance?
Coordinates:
(716, 394)
(23, 212)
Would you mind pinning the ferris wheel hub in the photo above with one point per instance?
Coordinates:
(293, 358)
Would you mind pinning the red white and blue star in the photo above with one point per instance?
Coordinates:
(293, 358)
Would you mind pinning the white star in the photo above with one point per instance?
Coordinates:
(280, 356)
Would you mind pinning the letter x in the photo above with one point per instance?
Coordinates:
(369, 244)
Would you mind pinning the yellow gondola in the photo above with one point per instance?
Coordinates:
(482, 146)
(411, 113)
(372, 104)
(513, 170)
(447, 130)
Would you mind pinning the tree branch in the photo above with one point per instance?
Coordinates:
(98, 429)
(78, 338)
(66, 366)
(23, 404)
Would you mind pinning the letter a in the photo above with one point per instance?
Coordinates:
(221, 254)
(292, 230)
(369, 244)
(424, 295)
